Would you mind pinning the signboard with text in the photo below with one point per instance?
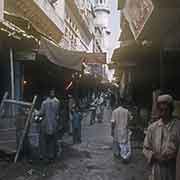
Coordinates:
(1, 10)
(25, 56)
(137, 12)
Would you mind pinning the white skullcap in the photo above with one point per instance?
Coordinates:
(165, 98)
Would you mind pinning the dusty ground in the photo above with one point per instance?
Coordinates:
(91, 160)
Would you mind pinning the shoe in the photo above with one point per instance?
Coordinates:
(125, 161)
(116, 156)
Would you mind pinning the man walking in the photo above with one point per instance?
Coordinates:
(93, 111)
(162, 141)
(121, 133)
(100, 108)
(49, 126)
(71, 103)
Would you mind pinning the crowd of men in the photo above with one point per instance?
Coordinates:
(162, 139)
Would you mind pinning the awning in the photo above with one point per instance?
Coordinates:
(127, 49)
(59, 56)
(17, 37)
(67, 58)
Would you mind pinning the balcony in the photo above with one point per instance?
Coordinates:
(101, 7)
(75, 7)
(85, 7)
(43, 15)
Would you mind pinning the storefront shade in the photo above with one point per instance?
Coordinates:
(68, 58)
(60, 56)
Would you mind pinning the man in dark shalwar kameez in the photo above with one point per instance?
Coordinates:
(162, 141)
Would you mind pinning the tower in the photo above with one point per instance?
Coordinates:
(102, 13)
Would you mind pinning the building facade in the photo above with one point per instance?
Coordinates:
(23, 25)
(68, 23)
(83, 31)
(78, 21)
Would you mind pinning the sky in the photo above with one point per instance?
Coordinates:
(115, 32)
(115, 28)
(114, 24)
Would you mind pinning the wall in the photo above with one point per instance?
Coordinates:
(75, 36)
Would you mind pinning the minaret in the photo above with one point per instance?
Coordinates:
(102, 12)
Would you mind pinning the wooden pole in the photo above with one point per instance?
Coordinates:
(2, 102)
(20, 145)
(12, 74)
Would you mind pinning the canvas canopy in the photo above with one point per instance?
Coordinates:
(68, 58)
(59, 56)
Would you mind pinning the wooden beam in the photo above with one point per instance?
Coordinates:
(17, 102)
(2, 102)
(25, 129)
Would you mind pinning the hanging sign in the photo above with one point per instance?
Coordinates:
(25, 56)
(137, 12)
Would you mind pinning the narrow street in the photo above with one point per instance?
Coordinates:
(65, 63)
(91, 160)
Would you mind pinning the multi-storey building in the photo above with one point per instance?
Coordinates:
(78, 21)
(42, 14)
(28, 26)
(23, 24)
(82, 32)
(69, 23)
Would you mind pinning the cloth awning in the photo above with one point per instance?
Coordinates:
(68, 58)
(59, 56)
(16, 37)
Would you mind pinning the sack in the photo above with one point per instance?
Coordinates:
(125, 148)
(125, 151)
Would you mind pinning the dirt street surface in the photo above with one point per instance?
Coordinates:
(91, 160)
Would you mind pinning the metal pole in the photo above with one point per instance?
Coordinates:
(12, 73)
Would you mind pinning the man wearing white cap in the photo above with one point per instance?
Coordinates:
(162, 141)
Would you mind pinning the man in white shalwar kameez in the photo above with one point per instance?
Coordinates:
(121, 133)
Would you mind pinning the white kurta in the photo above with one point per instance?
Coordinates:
(122, 145)
(120, 118)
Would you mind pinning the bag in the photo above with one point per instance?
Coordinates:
(125, 148)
